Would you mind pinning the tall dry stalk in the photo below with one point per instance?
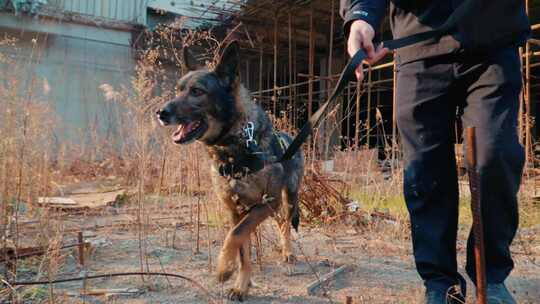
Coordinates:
(25, 142)
(148, 152)
(139, 103)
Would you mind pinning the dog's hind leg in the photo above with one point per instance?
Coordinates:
(235, 240)
(285, 225)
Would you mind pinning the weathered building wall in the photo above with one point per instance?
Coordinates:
(70, 62)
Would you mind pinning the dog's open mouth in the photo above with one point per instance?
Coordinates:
(189, 131)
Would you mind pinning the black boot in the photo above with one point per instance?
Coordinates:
(498, 294)
(451, 296)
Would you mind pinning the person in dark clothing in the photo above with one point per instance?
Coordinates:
(477, 69)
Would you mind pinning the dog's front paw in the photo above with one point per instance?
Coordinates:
(235, 294)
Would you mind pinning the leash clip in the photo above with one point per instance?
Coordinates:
(249, 131)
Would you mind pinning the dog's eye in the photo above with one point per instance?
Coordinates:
(196, 92)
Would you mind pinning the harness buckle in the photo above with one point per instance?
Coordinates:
(249, 131)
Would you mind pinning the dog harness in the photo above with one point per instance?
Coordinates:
(253, 158)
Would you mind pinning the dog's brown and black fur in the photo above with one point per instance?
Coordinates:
(214, 109)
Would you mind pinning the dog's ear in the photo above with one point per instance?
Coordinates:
(227, 66)
(188, 61)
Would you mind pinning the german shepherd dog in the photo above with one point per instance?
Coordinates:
(216, 110)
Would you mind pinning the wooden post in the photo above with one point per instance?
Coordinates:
(11, 263)
(80, 241)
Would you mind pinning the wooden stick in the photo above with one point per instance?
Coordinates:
(313, 286)
(476, 207)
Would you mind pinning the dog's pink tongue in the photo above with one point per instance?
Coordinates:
(179, 133)
(190, 126)
(183, 130)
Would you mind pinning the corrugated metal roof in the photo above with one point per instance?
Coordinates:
(131, 11)
(198, 12)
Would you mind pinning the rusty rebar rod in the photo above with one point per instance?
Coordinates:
(81, 245)
(476, 207)
(209, 296)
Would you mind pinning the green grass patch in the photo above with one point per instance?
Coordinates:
(395, 204)
(529, 212)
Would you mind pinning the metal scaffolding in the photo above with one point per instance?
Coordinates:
(291, 50)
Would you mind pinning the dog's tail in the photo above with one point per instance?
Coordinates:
(295, 220)
(294, 211)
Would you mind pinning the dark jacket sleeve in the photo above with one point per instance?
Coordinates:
(371, 11)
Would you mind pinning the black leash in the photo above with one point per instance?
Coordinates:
(346, 76)
(348, 72)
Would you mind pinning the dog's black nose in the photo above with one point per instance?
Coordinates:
(163, 115)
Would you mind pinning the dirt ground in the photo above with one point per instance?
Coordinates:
(378, 255)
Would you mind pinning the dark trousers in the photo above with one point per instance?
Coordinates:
(485, 87)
